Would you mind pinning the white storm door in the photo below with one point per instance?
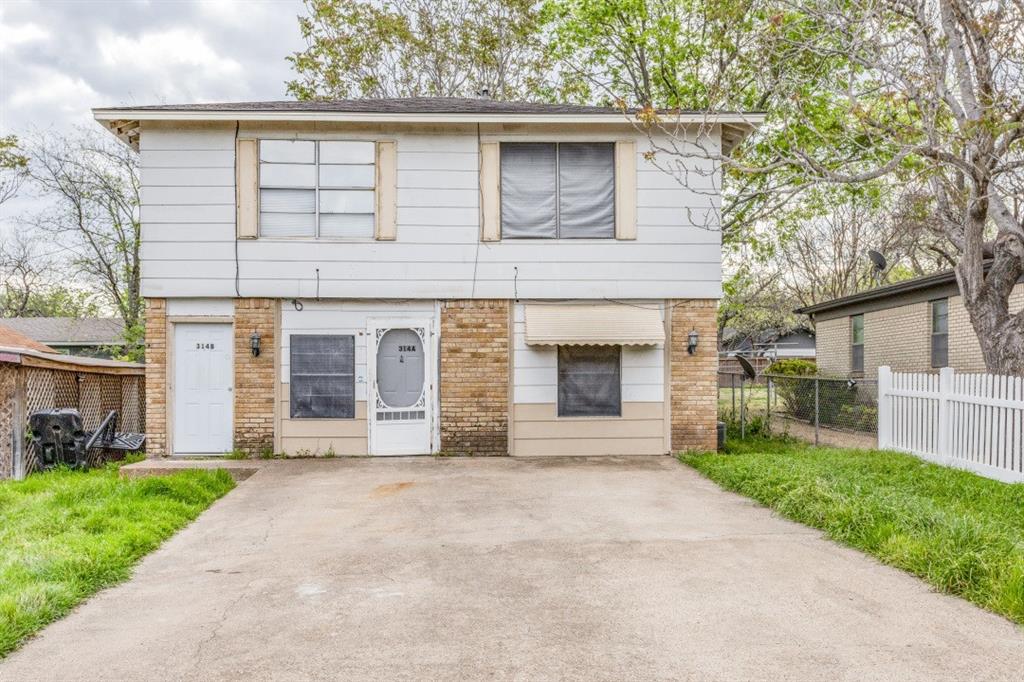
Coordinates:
(400, 390)
(203, 380)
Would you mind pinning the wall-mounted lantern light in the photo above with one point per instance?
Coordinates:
(254, 343)
(692, 340)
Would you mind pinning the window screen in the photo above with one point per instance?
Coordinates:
(322, 376)
(317, 189)
(857, 343)
(940, 333)
(589, 381)
(557, 190)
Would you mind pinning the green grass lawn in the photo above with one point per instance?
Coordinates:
(962, 533)
(66, 534)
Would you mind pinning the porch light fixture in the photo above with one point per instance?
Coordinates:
(692, 339)
(254, 343)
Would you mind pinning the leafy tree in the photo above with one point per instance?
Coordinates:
(13, 167)
(409, 48)
(92, 187)
(936, 97)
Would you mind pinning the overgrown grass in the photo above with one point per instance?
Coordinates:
(66, 534)
(962, 533)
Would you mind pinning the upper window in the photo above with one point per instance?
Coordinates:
(589, 381)
(317, 189)
(322, 372)
(562, 190)
(857, 343)
(940, 333)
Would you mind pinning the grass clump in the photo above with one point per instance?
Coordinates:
(962, 533)
(66, 534)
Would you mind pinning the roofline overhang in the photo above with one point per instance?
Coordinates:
(907, 286)
(115, 114)
(126, 123)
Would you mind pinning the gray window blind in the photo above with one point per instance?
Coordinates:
(589, 381)
(558, 190)
(529, 186)
(586, 190)
(322, 376)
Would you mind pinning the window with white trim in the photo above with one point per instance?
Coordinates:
(563, 190)
(313, 189)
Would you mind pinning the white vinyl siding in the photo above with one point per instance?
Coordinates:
(316, 189)
(188, 247)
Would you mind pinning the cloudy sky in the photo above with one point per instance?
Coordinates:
(59, 58)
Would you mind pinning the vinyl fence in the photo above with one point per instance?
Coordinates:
(969, 421)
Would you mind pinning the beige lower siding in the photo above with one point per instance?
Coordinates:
(538, 431)
(321, 437)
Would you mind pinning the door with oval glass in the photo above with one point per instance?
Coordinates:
(401, 389)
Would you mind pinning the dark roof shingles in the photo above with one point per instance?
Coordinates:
(395, 105)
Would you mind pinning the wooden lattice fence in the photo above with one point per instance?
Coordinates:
(32, 382)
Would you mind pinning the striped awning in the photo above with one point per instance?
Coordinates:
(594, 325)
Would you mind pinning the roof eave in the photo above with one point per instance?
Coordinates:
(107, 115)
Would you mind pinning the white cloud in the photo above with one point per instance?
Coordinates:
(61, 93)
(165, 53)
(14, 36)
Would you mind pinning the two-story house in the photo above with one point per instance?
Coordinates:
(426, 275)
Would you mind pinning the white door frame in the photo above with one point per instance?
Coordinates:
(430, 370)
(171, 376)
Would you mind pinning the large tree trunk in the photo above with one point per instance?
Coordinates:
(986, 296)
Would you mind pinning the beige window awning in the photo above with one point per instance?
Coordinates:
(593, 325)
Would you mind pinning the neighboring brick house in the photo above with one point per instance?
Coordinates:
(426, 275)
(919, 325)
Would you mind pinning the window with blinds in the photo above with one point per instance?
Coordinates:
(322, 376)
(563, 190)
(940, 333)
(589, 381)
(317, 189)
(857, 343)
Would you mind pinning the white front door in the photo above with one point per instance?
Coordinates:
(202, 388)
(401, 388)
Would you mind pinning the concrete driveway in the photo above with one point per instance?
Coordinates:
(510, 569)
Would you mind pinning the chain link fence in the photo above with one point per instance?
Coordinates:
(821, 410)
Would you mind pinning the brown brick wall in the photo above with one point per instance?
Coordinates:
(474, 377)
(156, 377)
(901, 338)
(964, 349)
(694, 377)
(254, 376)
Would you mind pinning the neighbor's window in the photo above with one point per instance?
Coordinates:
(317, 189)
(560, 190)
(322, 376)
(857, 343)
(589, 381)
(940, 333)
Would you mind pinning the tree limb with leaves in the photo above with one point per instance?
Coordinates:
(411, 48)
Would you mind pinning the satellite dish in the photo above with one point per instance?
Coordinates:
(748, 368)
(878, 259)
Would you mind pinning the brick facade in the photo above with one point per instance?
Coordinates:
(900, 337)
(254, 376)
(156, 377)
(474, 377)
(694, 377)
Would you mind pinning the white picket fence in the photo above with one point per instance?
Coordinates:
(969, 421)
